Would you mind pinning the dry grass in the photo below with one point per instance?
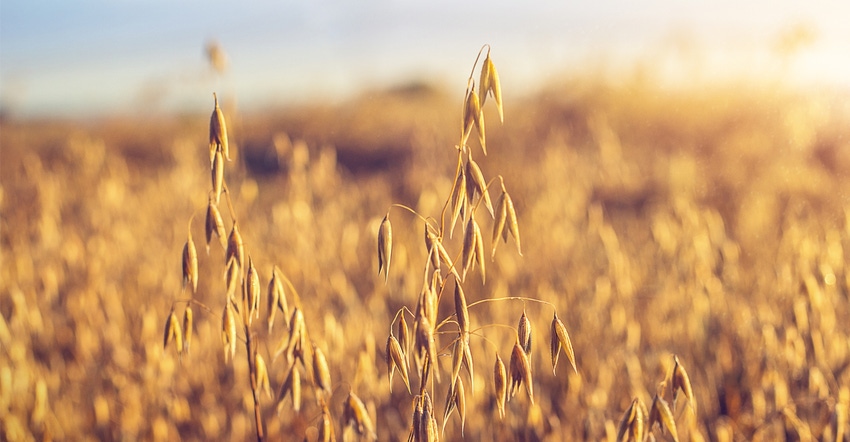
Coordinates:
(709, 223)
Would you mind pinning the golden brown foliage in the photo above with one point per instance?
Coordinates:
(708, 222)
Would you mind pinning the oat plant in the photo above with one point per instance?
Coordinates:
(241, 292)
(448, 337)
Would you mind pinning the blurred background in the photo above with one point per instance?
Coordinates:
(679, 168)
(93, 58)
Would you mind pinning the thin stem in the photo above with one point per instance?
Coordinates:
(192, 301)
(400, 312)
(511, 298)
(252, 373)
(478, 57)
(451, 193)
(414, 212)
(229, 202)
(477, 332)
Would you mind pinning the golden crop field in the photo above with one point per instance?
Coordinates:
(707, 225)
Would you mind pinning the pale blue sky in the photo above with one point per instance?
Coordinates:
(75, 58)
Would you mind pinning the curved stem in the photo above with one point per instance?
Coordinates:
(476, 332)
(400, 312)
(512, 298)
(478, 57)
(229, 202)
(252, 373)
(192, 301)
(451, 193)
(409, 209)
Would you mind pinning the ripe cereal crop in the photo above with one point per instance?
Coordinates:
(386, 268)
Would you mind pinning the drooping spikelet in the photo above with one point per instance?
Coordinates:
(385, 246)
(561, 339)
(173, 332)
(252, 292)
(471, 117)
(396, 359)
(489, 83)
(217, 174)
(681, 382)
(660, 412)
(354, 413)
(291, 386)
(458, 199)
(461, 310)
(326, 428)
(455, 400)
(520, 372)
(228, 331)
(476, 184)
(500, 381)
(188, 318)
(403, 335)
(321, 373)
(218, 132)
(262, 375)
(214, 224)
(276, 299)
(524, 333)
(235, 247)
(512, 225)
(633, 423)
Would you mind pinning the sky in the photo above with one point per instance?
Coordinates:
(60, 58)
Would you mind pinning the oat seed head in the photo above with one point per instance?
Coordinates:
(385, 246)
(188, 319)
(500, 383)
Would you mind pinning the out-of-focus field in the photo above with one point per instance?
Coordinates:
(711, 223)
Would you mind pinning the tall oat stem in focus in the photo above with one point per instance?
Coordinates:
(445, 270)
